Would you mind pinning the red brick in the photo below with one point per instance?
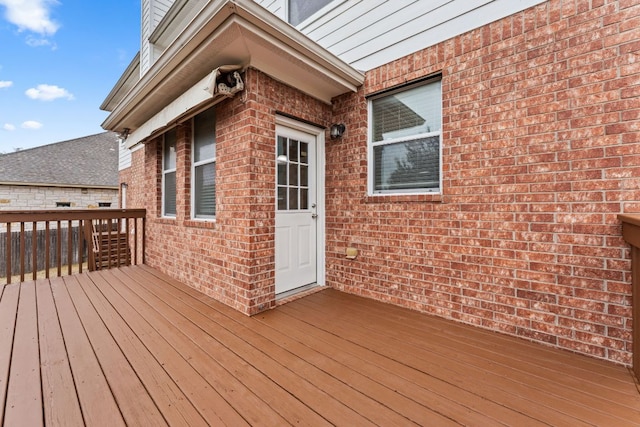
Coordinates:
(540, 153)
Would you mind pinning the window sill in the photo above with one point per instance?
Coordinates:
(166, 220)
(194, 223)
(404, 198)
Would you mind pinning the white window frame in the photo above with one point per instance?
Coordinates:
(371, 145)
(320, 12)
(195, 165)
(164, 173)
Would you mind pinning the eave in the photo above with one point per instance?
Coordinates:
(233, 32)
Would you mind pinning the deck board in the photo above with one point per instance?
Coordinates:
(8, 309)
(519, 380)
(204, 397)
(492, 381)
(188, 339)
(132, 346)
(61, 406)
(98, 404)
(263, 366)
(122, 378)
(171, 400)
(23, 393)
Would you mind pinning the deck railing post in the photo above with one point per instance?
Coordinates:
(631, 234)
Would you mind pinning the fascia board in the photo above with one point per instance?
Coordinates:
(210, 19)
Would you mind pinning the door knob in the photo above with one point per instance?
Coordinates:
(314, 216)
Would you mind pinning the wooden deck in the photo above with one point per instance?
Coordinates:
(133, 347)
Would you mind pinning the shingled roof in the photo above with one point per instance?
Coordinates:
(90, 161)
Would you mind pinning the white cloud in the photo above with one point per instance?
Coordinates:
(31, 15)
(8, 126)
(48, 93)
(31, 124)
(37, 42)
(5, 84)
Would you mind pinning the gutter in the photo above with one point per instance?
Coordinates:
(175, 58)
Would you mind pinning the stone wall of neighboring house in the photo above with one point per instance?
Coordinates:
(21, 197)
(541, 152)
(232, 258)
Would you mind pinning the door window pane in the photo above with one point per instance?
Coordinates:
(293, 199)
(293, 174)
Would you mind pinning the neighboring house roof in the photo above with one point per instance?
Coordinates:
(90, 161)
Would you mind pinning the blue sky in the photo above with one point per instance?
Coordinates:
(58, 62)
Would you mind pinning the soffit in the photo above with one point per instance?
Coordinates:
(233, 32)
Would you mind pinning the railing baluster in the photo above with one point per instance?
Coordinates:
(9, 266)
(69, 247)
(100, 254)
(59, 248)
(143, 232)
(135, 241)
(127, 239)
(80, 244)
(109, 243)
(118, 243)
(22, 244)
(34, 250)
(47, 249)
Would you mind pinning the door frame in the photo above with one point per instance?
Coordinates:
(318, 133)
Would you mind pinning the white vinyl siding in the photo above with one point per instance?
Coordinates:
(277, 7)
(152, 13)
(367, 34)
(124, 157)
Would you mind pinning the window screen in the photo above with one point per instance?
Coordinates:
(169, 174)
(299, 10)
(405, 139)
(204, 166)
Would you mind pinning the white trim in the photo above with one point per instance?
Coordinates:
(320, 190)
(371, 145)
(194, 97)
(245, 33)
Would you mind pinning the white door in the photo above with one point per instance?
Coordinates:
(296, 217)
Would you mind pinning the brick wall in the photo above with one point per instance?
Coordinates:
(22, 197)
(232, 258)
(540, 153)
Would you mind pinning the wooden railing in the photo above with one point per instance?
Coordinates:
(631, 234)
(37, 244)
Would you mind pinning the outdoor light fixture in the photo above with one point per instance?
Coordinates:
(337, 130)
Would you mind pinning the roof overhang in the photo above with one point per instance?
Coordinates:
(233, 32)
